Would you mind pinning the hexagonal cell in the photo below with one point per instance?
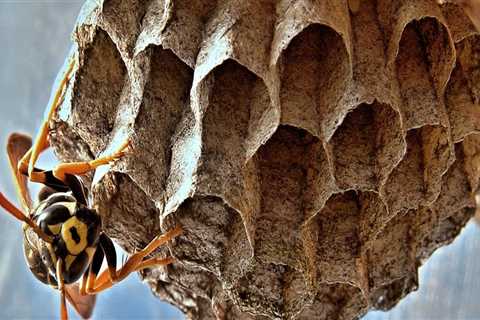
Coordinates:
(182, 34)
(283, 166)
(457, 192)
(165, 101)
(417, 179)
(422, 68)
(97, 90)
(315, 74)
(273, 290)
(124, 206)
(390, 257)
(462, 96)
(336, 301)
(338, 239)
(123, 20)
(214, 238)
(366, 146)
(226, 125)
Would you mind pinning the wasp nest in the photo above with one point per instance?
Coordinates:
(315, 153)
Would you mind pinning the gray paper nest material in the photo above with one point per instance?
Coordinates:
(315, 155)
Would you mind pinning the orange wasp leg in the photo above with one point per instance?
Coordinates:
(134, 263)
(61, 288)
(27, 163)
(79, 168)
(41, 142)
(104, 281)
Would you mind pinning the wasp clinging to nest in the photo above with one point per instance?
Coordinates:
(63, 238)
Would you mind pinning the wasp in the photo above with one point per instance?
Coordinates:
(63, 237)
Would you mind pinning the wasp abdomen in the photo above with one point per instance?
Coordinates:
(75, 229)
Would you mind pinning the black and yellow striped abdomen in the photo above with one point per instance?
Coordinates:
(75, 229)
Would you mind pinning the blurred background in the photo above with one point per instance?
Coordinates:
(34, 40)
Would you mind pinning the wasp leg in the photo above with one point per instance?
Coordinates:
(105, 282)
(153, 262)
(39, 175)
(91, 274)
(52, 185)
(111, 255)
(77, 187)
(17, 146)
(17, 213)
(79, 168)
(23, 164)
(105, 248)
(41, 142)
(134, 263)
(82, 304)
(61, 287)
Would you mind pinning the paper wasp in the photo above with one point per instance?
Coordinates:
(63, 237)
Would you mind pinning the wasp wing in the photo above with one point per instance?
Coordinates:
(18, 145)
(83, 304)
